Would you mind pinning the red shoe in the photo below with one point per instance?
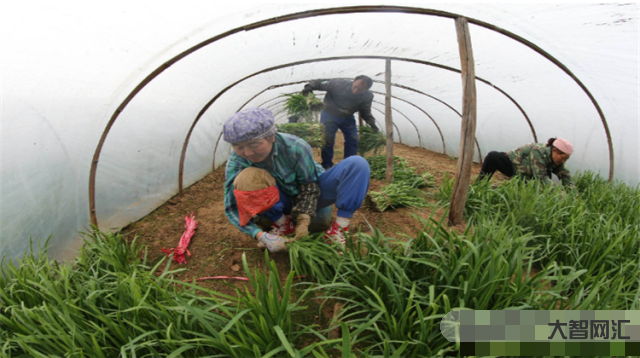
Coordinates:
(287, 228)
(335, 234)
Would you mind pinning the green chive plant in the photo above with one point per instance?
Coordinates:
(312, 133)
(110, 304)
(370, 141)
(378, 165)
(397, 195)
(395, 293)
(302, 106)
(593, 228)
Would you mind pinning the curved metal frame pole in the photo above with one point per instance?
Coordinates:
(208, 104)
(395, 109)
(395, 97)
(350, 57)
(215, 150)
(410, 121)
(323, 12)
(526, 117)
(444, 149)
(394, 125)
(204, 109)
(399, 137)
(377, 122)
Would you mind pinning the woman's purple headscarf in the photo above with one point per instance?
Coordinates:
(249, 124)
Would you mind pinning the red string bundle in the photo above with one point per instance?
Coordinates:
(219, 278)
(185, 240)
(229, 278)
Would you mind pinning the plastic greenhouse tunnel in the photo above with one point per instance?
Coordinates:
(112, 119)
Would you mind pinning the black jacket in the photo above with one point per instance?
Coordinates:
(341, 102)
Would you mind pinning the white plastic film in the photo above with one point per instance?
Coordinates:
(68, 66)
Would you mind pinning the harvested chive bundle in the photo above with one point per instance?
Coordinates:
(397, 195)
(378, 165)
(313, 133)
(412, 179)
(402, 172)
(303, 106)
(370, 141)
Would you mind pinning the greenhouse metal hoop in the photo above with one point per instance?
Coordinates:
(444, 149)
(397, 131)
(410, 121)
(313, 13)
(392, 96)
(533, 132)
(333, 58)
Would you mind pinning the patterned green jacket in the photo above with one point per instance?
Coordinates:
(534, 161)
(295, 172)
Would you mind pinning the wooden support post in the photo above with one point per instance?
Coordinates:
(360, 121)
(388, 120)
(468, 130)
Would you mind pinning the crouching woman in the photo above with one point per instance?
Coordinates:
(531, 161)
(273, 175)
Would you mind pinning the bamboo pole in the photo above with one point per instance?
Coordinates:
(468, 127)
(388, 120)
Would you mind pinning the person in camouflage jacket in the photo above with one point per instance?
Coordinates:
(531, 161)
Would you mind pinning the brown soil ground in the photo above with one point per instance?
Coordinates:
(217, 246)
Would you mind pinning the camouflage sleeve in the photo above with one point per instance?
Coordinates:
(539, 167)
(565, 176)
(307, 200)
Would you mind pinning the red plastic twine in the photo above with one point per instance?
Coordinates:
(219, 278)
(180, 251)
(386, 197)
(228, 278)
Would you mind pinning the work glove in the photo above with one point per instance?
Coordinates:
(302, 226)
(374, 128)
(273, 243)
(305, 92)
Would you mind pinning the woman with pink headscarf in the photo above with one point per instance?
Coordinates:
(531, 161)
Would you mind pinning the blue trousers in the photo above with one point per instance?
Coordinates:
(346, 185)
(349, 130)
